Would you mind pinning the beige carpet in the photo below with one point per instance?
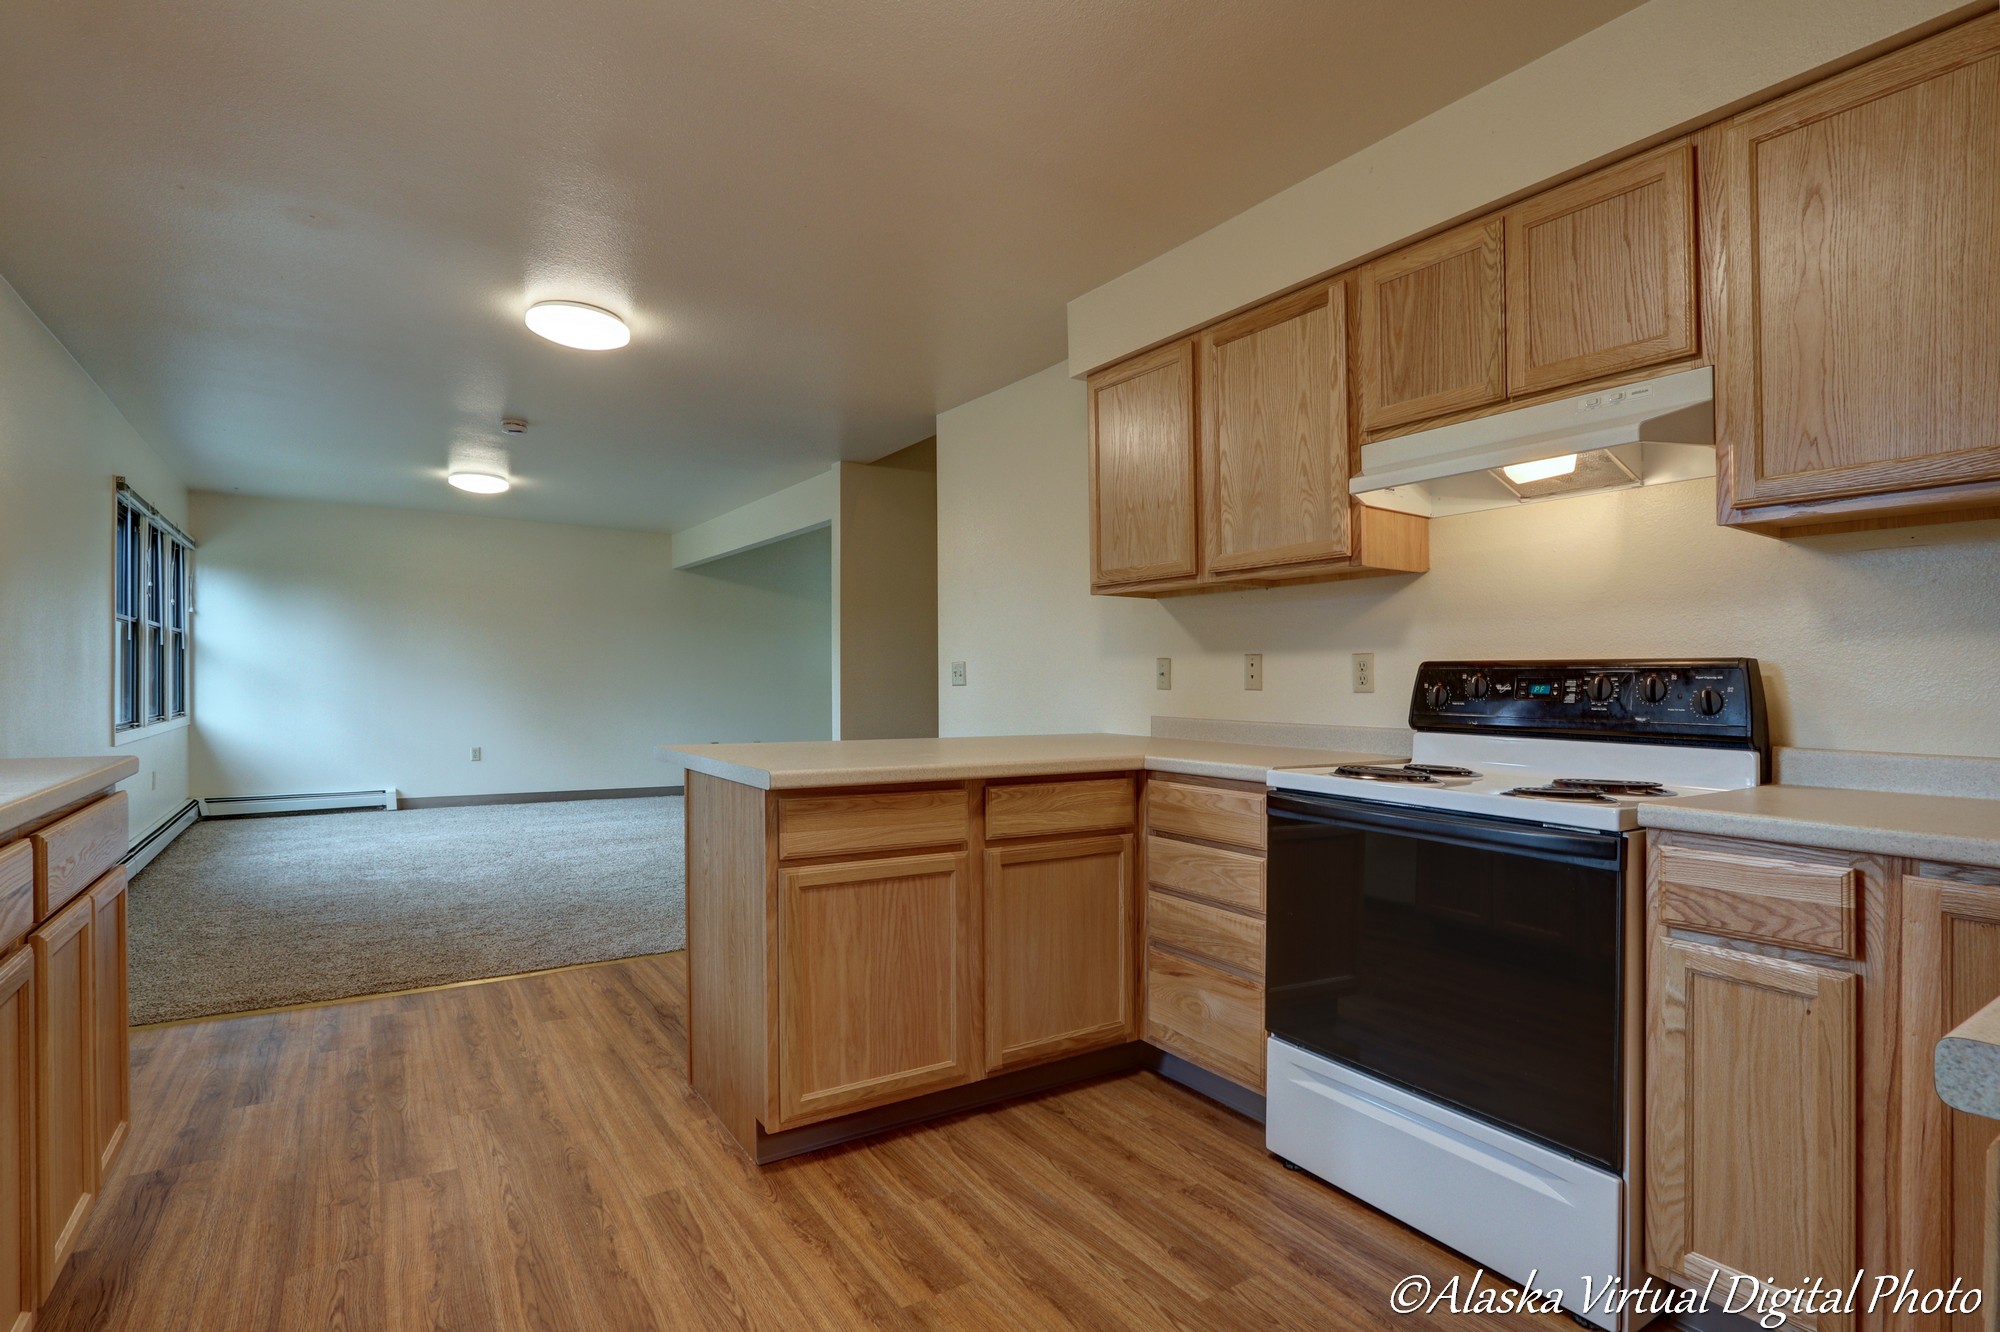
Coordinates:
(254, 913)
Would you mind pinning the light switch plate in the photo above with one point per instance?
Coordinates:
(1364, 672)
(1163, 673)
(958, 672)
(1253, 670)
(477, 754)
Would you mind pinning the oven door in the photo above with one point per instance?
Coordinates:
(1474, 961)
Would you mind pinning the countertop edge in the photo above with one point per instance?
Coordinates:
(1898, 842)
(1133, 761)
(105, 773)
(1966, 1064)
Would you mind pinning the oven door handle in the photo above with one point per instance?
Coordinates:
(1606, 847)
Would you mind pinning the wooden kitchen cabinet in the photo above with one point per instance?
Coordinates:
(1601, 274)
(1750, 1155)
(64, 1074)
(1142, 469)
(1432, 327)
(111, 1034)
(19, 1293)
(1858, 375)
(878, 983)
(1275, 434)
(1061, 931)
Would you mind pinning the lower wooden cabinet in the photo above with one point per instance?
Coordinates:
(877, 983)
(1206, 1015)
(19, 1293)
(65, 1070)
(113, 1090)
(1751, 1119)
(1060, 929)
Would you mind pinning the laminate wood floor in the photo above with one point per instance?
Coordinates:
(527, 1154)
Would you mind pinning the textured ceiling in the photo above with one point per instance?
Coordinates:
(293, 240)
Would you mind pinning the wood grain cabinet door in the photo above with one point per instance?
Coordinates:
(1433, 332)
(65, 1070)
(1750, 1119)
(1142, 469)
(1275, 442)
(1862, 345)
(1061, 932)
(1601, 274)
(113, 1092)
(877, 983)
(1950, 970)
(18, 1292)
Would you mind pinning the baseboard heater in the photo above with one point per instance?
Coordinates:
(154, 842)
(224, 807)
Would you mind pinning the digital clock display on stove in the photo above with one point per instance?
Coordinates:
(1538, 688)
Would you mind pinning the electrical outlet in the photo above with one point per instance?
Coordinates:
(477, 754)
(1253, 670)
(1163, 673)
(958, 672)
(1364, 672)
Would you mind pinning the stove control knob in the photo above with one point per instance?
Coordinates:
(1601, 688)
(1708, 703)
(1437, 695)
(1653, 688)
(1476, 685)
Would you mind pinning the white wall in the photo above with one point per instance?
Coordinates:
(1648, 72)
(343, 645)
(1875, 642)
(886, 597)
(61, 445)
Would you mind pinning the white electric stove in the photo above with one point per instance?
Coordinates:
(1454, 969)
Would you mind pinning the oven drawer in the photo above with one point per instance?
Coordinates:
(1227, 938)
(1214, 813)
(1206, 1016)
(1228, 878)
(1032, 809)
(1805, 904)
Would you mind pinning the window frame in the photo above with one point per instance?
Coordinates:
(152, 622)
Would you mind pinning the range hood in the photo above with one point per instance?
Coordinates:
(1641, 434)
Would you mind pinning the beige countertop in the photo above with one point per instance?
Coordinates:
(792, 764)
(1958, 830)
(31, 788)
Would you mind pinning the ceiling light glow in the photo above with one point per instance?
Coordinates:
(574, 324)
(480, 483)
(1541, 469)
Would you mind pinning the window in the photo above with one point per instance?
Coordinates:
(152, 618)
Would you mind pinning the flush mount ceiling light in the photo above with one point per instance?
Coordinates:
(1541, 469)
(574, 324)
(480, 483)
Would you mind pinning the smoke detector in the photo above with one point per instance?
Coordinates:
(514, 425)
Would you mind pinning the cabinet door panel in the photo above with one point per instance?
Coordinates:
(65, 1058)
(1601, 274)
(1864, 331)
(1433, 338)
(1750, 1159)
(1275, 434)
(1142, 469)
(877, 983)
(18, 1292)
(113, 1090)
(1060, 935)
(1950, 970)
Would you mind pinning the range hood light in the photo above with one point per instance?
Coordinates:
(1541, 469)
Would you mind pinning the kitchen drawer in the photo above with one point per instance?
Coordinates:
(1206, 1016)
(1210, 873)
(17, 893)
(871, 821)
(1808, 903)
(71, 853)
(1215, 813)
(1032, 809)
(1227, 938)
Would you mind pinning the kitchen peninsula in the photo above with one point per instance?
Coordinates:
(881, 931)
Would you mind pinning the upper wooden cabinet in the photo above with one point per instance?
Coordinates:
(1274, 434)
(1433, 330)
(1142, 469)
(1601, 274)
(1859, 370)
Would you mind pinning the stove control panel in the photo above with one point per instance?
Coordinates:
(1717, 702)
